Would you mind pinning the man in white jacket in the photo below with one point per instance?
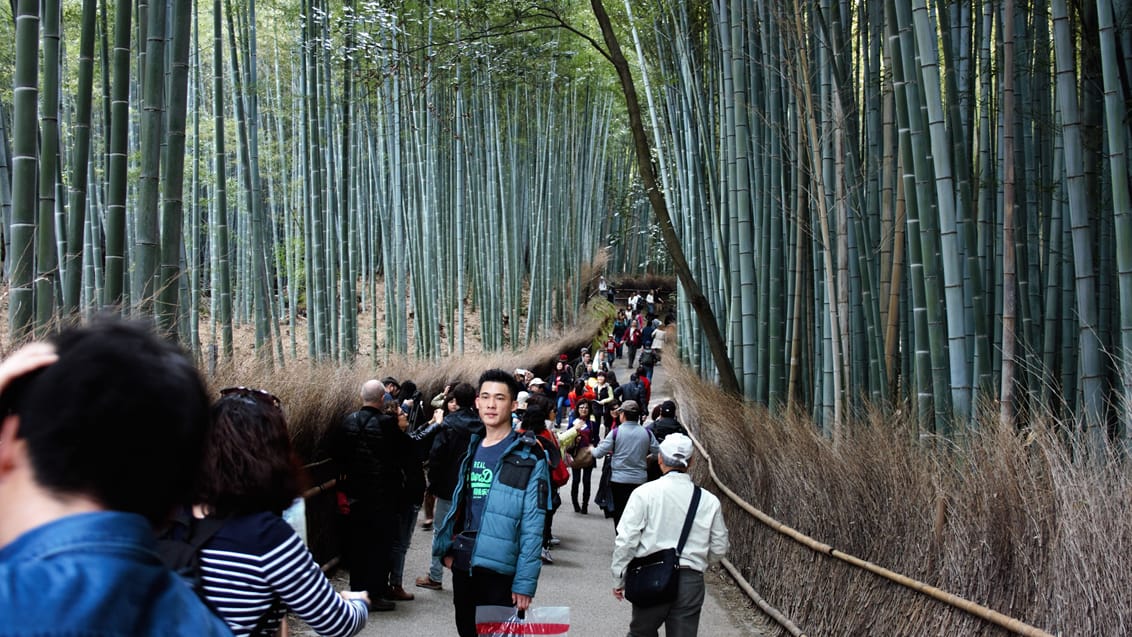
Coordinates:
(653, 520)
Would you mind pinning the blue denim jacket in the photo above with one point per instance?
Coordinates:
(97, 575)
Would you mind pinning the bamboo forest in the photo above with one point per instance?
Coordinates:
(917, 205)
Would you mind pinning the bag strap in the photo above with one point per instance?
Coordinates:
(198, 531)
(688, 519)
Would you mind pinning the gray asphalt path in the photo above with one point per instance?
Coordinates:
(579, 578)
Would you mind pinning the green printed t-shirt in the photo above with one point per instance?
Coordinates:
(484, 464)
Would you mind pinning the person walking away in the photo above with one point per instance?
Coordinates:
(249, 476)
(85, 475)
(653, 521)
(628, 446)
(667, 424)
(448, 450)
(650, 301)
(658, 338)
(373, 456)
(632, 390)
(491, 538)
(648, 332)
(649, 359)
(643, 377)
(663, 424)
(620, 325)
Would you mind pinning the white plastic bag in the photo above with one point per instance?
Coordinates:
(296, 516)
(506, 621)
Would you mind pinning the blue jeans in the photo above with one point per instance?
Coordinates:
(436, 568)
(561, 408)
(405, 524)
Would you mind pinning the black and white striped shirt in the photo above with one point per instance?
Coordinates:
(256, 567)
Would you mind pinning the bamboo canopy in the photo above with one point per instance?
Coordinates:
(920, 205)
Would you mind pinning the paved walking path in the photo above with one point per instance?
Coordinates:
(578, 578)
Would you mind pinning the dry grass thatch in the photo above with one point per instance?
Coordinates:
(1003, 519)
(317, 396)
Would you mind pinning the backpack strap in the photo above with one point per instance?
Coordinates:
(198, 531)
(688, 519)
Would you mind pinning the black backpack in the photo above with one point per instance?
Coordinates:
(179, 548)
(648, 359)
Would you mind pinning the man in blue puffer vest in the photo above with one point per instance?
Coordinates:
(491, 538)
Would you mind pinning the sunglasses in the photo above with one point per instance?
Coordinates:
(260, 395)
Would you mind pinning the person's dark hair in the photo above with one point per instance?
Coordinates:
(580, 386)
(121, 417)
(655, 414)
(641, 371)
(534, 419)
(500, 376)
(249, 464)
(408, 390)
(464, 394)
(541, 401)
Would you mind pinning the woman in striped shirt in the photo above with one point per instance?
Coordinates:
(256, 567)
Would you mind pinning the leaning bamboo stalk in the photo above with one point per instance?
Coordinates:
(763, 605)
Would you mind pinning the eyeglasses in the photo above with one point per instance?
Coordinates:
(262, 396)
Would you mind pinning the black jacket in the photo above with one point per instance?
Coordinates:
(667, 425)
(377, 461)
(448, 449)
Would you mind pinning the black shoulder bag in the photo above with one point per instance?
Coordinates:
(651, 580)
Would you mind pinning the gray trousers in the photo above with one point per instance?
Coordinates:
(681, 618)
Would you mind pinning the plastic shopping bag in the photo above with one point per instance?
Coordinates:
(505, 621)
(296, 516)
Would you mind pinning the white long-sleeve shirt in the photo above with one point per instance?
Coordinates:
(654, 517)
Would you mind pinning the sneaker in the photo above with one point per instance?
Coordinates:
(397, 593)
(380, 605)
(426, 525)
(554, 541)
(429, 583)
(546, 558)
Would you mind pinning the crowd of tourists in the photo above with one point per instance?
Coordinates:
(485, 462)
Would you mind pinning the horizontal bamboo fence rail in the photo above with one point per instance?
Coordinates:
(955, 601)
